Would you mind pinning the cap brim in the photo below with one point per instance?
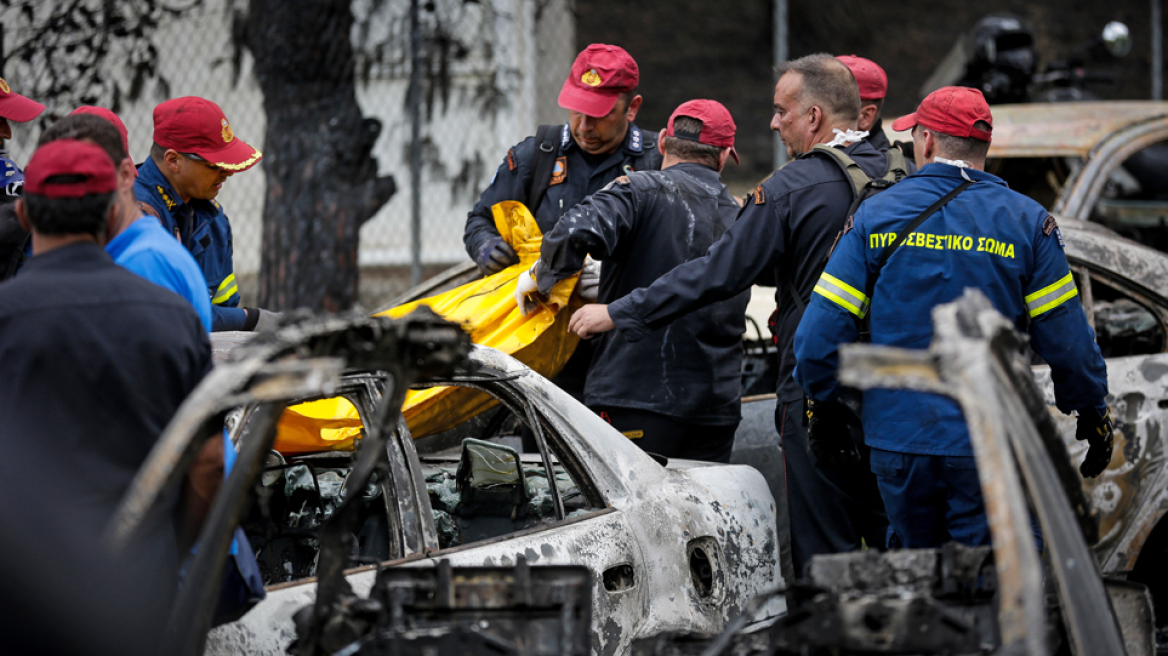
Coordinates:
(906, 122)
(734, 154)
(20, 109)
(591, 103)
(237, 156)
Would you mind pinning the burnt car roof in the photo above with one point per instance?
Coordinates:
(1059, 129)
(1102, 248)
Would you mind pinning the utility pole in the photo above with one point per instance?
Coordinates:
(781, 55)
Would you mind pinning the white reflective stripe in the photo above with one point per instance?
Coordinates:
(1051, 296)
(842, 294)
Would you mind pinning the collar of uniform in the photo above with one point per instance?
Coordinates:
(698, 170)
(876, 136)
(150, 175)
(84, 254)
(634, 143)
(936, 169)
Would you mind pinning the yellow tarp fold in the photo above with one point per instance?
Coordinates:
(486, 309)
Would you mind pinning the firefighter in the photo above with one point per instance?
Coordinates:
(872, 82)
(975, 232)
(784, 234)
(563, 164)
(15, 241)
(195, 151)
(676, 392)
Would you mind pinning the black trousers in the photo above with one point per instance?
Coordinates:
(671, 437)
(831, 511)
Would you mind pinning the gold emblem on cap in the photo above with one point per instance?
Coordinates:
(591, 78)
(4, 87)
(228, 135)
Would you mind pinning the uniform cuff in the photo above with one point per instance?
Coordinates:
(626, 321)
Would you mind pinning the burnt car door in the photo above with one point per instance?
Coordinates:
(488, 501)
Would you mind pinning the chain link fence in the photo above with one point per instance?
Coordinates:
(490, 73)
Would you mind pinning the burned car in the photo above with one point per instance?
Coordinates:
(676, 546)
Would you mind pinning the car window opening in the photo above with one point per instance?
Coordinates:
(1040, 178)
(1134, 199)
(495, 483)
(1123, 325)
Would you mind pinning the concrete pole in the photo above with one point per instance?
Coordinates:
(781, 55)
(1157, 52)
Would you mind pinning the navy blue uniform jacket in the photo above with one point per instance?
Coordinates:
(640, 227)
(785, 231)
(203, 228)
(989, 238)
(576, 175)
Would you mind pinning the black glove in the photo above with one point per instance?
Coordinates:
(1096, 428)
(495, 255)
(829, 433)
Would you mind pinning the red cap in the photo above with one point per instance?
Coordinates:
(952, 111)
(599, 75)
(74, 158)
(717, 125)
(197, 126)
(108, 115)
(871, 79)
(16, 107)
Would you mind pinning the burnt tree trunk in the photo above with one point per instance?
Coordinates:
(322, 180)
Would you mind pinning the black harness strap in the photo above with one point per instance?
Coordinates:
(545, 160)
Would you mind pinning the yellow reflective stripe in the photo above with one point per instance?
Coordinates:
(1051, 296)
(843, 294)
(225, 294)
(226, 289)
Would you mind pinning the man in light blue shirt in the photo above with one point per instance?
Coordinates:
(140, 244)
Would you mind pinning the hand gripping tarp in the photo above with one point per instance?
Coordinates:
(486, 309)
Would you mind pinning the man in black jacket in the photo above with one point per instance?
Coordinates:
(784, 234)
(675, 393)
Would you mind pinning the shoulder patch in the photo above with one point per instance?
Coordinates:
(511, 159)
(170, 204)
(759, 196)
(1049, 225)
(622, 180)
(147, 208)
(559, 171)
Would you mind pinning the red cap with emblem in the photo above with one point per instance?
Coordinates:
(109, 116)
(599, 75)
(197, 126)
(88, 167)
(871, 79)
(717, 127)
(16, 107)
(953, 111)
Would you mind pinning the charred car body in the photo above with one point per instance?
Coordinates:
(682, 547)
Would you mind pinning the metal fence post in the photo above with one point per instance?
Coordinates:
(780, 56)
(414, 100)
(1157, 52)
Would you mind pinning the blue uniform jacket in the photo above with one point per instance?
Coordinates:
(145, 248)
(640, 227)
(202, 227)
(785, 231)
(576, 175)
(988, 237)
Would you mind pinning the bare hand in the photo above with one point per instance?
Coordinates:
(591, 320)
